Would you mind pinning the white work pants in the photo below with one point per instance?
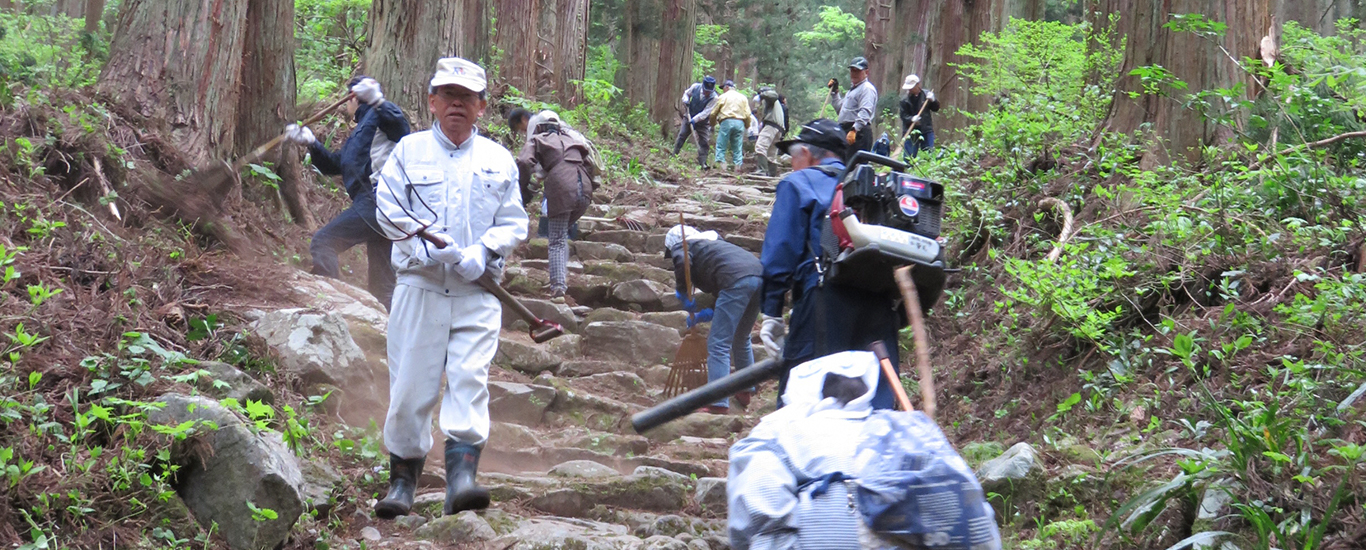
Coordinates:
(431, 334)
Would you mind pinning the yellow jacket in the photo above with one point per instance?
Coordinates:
(731, 104)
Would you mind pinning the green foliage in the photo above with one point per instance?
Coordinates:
(331, 38)
(1051, 83)
(834, 27)
(1075, 290)
(48, 51)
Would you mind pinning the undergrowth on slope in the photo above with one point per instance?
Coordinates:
(1203, 322)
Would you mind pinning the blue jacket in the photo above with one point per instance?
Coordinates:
(794, 234)
(377, 130)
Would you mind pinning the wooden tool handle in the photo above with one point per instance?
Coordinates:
(259, 152)
(883, 358)
(687, 268)
(922, 340)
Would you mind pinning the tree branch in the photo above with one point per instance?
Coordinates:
(1315, 145)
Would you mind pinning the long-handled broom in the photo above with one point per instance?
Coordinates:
(689, 367)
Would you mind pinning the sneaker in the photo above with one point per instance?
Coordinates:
(714, 409)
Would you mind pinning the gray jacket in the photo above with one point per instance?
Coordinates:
(857, 107)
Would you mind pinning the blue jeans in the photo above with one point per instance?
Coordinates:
(736, 310)
(730, 135)
(917, 142)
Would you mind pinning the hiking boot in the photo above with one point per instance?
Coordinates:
(462, 493)
(403, 473)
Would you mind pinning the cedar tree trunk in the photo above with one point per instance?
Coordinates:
(658, 55)
(268, 96)
(180, 63)
(408, 36)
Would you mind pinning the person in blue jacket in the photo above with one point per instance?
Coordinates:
(379, 126)
(828, 318)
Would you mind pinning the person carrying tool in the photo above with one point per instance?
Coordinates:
(731, 114)
(459, 188)
(568, 179)
(855, 109)
(731, 273)
(695, 99)
(774, 125)
(825, 318)
(379, 125)
(917, 124)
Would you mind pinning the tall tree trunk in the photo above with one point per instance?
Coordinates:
(516, 39)
(408, 36)
(658, 55)
(268, 97)
(94, 10)
(922, 37)
(180, 62)
(1203, 64)
(563, 41)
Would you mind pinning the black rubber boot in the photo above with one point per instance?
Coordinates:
(403, 473)
(462, 493)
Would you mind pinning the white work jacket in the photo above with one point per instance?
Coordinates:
(467, 191)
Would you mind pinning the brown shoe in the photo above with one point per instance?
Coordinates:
(743, 398)
(714, 409)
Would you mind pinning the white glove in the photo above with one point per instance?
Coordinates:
(770, 332)
(915, 119)
(474, 259)
(929, 95)
(367, 91)
(450, 254)
(299, 134)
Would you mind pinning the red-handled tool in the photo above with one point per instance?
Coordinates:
(541, 329)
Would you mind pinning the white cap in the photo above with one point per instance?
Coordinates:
(548, 116)
(911, 81)
(457, 71)
(675, 235)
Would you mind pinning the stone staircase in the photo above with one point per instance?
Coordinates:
(565, 468)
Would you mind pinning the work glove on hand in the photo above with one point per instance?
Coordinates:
(929, 95)
(473, 261)
(367, 91)
(851, 136)
(834, 85)
(299, 134)
(703, 316)
(689, 304)
(915, 119)
(449, 255)
(770, 332)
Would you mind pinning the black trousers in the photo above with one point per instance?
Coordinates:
(353, 226)
(863, 141)
(703, 131)
(832, 319)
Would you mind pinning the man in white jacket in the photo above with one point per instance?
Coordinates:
(461, 189)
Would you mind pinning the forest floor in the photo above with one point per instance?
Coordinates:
(107, 313)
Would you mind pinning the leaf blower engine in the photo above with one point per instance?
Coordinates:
(879, 222)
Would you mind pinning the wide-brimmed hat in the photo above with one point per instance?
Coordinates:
(859, 63)
(460, 72)
(911, 82)
(823, 133)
